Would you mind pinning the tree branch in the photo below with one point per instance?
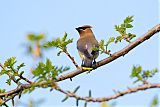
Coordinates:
(88, 99)
(71, 58)
(116, 95)
(115, 55)
(25, 79)
(10, 76)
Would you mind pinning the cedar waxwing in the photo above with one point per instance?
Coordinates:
(87, 46)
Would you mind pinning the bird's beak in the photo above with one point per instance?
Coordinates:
(77, 29)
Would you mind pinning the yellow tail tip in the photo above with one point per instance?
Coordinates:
(87, 68)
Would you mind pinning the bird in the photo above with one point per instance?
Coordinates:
(87, 46)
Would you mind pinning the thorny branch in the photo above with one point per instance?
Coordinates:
(116, 95)
(114, 56)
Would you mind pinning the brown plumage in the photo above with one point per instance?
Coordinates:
(86, 45)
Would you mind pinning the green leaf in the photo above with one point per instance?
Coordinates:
(2, 90)
(3, 72)
(122, 26)
(18, 80)
(22, 72)
(10, 62)
(95, 49)
(48, 66)
(20, 66)
(66, 68)
(85, 104)
(61, 69)
(34, 37)
(58, 40)
(142, 75)
(101, 43)
(128, 19)
(64, 37)
(49, 44)
(129, 26)
(122, 29)
(101, 46)
(155, 71)
(59, 43)
(90, 93)
(136, 71)
(8, 81)
(111, 39)
(118, 39)
(77, 102)
(1, 102)
(39, 70)
(39, 37)
(12, 102)
(154, 102)
(76, 89)
(117, 27)
(146, 74)
(131, 36)
(65, 99)
(47, 71)
(31, 37)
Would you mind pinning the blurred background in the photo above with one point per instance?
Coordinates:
(54, 17)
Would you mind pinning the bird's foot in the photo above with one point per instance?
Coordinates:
(94, 64)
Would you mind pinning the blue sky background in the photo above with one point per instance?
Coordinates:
(54, 17)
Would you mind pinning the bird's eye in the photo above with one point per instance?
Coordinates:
(83, 28)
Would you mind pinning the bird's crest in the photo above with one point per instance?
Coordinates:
(84, 27)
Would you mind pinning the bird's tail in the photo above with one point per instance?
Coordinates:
(87, 62)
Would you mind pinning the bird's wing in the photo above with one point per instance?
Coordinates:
(85, 53)
(83, 49)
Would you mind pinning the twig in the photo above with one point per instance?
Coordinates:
(72, 58)
(10, 76)
(115, 55)
(2, 66)
(25, 79)
(14, 95)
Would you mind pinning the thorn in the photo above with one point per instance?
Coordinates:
(70, 79)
